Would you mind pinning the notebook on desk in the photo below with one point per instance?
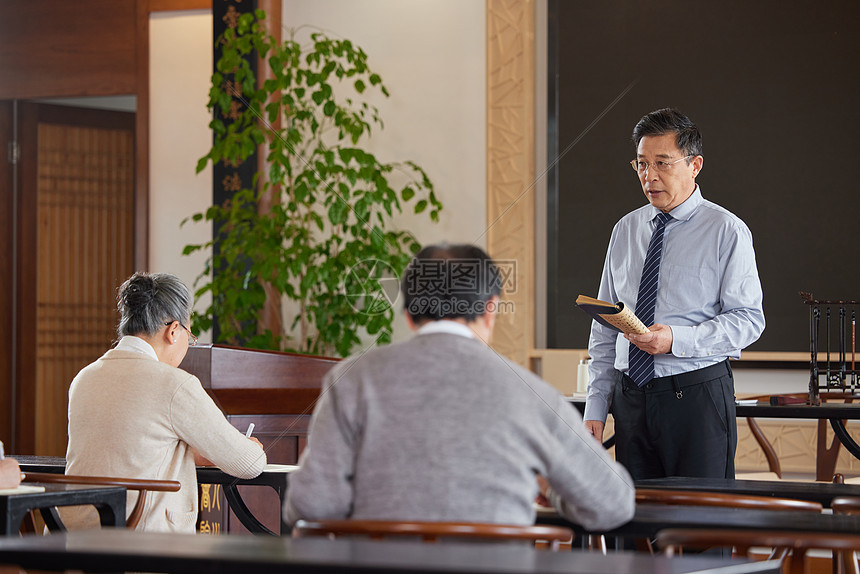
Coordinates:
(280, 468)
(23, 489)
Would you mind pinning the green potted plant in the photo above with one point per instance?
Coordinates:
(324, 240)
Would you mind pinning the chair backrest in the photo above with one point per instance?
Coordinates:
(703, 498)
(799, 543)
(140, 484)
(846, 505)
(433, 531)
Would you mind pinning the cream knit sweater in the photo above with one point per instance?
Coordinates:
(131, 415)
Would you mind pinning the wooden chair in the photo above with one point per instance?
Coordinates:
(704, 498)
(798, 543)
(142, 485)
(844, 505)
(433, 531)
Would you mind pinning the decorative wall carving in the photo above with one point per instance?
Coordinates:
(795, 444)
(510, 166)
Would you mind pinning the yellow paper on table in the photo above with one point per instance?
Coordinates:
(280, 468)
(23, 489)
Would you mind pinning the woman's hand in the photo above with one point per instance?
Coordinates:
(10, 473)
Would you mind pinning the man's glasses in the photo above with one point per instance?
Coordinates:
(192, 338)
(640, 166)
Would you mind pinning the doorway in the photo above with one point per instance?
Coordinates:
(71, 243)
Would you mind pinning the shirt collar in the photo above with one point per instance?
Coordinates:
(136, 345)
(446, 326)
(684, 211)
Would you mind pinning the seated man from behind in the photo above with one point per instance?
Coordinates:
(442, 428)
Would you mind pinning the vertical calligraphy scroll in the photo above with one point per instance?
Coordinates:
(229, 176)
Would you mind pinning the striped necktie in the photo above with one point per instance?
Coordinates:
(641, 364)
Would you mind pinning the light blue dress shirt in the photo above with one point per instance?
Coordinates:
(709, 293)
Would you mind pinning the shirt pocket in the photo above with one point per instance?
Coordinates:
(688, 288)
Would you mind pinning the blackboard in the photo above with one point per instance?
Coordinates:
(774, 87)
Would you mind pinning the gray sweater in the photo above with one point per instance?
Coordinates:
(442, 428)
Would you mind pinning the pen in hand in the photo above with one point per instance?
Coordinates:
(250, 430)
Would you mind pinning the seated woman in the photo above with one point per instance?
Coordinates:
(133, 413)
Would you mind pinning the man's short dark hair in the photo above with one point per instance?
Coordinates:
(666, 121)
(449, 282)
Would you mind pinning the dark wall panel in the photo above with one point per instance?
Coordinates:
(773, 87)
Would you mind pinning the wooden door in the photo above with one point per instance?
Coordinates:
(75, 246)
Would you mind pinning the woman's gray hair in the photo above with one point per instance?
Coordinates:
(147, 301)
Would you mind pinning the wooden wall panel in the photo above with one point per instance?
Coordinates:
(167, 5)
(51, 49)
(510, 166)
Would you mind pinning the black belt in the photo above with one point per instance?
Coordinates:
(678, 382)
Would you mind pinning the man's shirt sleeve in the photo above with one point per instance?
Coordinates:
(601, 349)
(741, 318)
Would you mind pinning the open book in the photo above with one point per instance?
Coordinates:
(615, 316)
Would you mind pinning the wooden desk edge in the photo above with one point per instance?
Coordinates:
(749, 359)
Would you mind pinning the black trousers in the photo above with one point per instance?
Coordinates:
(683, 425)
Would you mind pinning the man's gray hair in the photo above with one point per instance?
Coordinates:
(148, 301)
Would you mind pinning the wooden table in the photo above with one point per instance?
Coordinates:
(651, 518)
(108, 500)
(119, 550)
(835, 413)
(205, 475)
(823, 492)
(276, 480)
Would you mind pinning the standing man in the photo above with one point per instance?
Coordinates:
(442, 428)
(686, 266)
